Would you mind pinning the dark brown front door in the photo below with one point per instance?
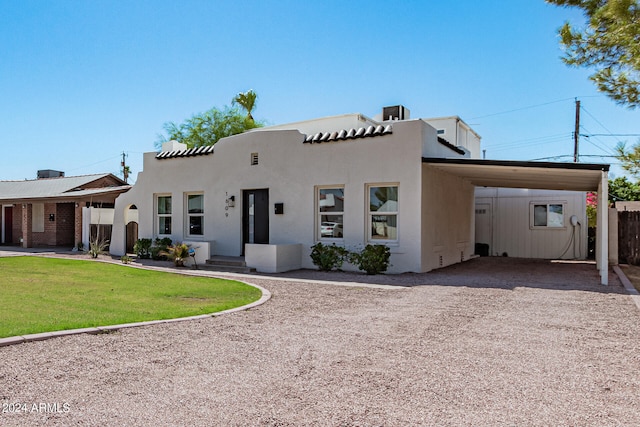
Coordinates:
(8, 225)
(65, 224)
(255, 216)
(132, 236)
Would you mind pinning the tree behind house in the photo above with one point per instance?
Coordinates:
(204, 129)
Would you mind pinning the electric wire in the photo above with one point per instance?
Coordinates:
(521, 109)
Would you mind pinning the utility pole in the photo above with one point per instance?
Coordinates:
(125, 168)
(576, 133)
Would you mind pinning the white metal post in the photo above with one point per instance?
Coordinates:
(602, 230)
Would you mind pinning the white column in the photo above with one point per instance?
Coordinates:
(602, 230)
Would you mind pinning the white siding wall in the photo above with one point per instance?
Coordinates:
(511, 219)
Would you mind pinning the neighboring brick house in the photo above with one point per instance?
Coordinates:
(48, 211)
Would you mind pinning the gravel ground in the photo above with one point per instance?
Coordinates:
(493, 341)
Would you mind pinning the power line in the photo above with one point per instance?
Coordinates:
(614, 134)
(604, 146)
(521, 109)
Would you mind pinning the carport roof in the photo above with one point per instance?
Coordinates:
(521, 174)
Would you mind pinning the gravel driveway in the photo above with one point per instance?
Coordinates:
(493, 341)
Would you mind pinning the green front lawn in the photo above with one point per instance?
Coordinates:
(48, 294)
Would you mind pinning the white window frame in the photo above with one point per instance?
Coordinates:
(158, 215)
(370, 214)
(320, 214)
(188, 215)
(532, 207)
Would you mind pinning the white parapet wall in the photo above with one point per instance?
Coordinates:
(273, 258)
(202, 252)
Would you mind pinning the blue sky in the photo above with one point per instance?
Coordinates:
(83, 81)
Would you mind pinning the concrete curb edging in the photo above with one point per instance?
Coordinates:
(266, 296)
(631, 290)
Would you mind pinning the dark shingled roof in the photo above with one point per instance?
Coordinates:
(191, 152)
(345, 134)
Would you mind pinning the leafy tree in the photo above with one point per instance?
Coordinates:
(630, 158)
(207, 128)
(246, 100)
(610, 44)
(622, 189)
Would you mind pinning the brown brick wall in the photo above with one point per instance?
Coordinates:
(48, 237)
(16, 229)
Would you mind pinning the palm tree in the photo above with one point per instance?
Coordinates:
(246, 100)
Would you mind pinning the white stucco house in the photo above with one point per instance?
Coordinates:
(271, 193)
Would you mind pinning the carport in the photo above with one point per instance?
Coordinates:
(544, 176)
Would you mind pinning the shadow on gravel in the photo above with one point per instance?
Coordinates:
(487, 272)
(483, 272)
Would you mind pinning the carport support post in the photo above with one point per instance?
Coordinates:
(602, 229)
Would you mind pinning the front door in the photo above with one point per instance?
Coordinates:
(255, 216)
(484, 228)
(7, 226)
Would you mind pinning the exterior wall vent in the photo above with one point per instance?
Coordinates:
(254, 159)
(396, 112)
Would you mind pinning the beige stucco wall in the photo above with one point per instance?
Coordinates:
(447, 228)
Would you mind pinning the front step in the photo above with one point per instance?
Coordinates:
(227, 264)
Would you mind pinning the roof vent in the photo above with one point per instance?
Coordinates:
(173, 145)
(49, 173)
(396, 112)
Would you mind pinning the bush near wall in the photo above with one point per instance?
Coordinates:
(372, 259)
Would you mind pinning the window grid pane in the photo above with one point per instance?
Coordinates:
(548, 215)
(164, 215)
(195, 214)
(164, 204)
(331, 212)
(196, 203)
(540, 215)
(383, 213)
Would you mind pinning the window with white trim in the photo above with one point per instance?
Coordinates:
(330, 205)
(195, 214)
(547, 215)
(383, 213)
(163, 213)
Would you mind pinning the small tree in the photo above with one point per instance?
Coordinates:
(630, 158)
(246, 100)
(609, 44)
(204, 129)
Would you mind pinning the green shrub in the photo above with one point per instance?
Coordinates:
(97, 245)
(177, 253)
(328, 257)
(142, 248)
(373, 259)
(159, 247)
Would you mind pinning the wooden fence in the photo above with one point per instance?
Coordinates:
(629, 237)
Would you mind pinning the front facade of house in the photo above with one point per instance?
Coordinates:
(54, 211)
(270, 194)
(347, 180)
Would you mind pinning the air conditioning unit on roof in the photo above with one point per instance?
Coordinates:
(395, 112)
